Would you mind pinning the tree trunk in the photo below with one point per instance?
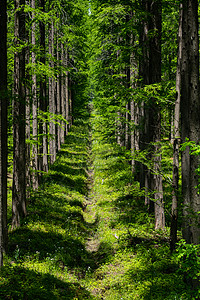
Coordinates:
(3, 130)
(155, 119)
(28, 112)
(62, 98)
(19, 120)
(176, 142)
(150, 71)
(67, 95)
(58, 108)
(43, 161)
(52, 128)
(190, 120)
(34, 107)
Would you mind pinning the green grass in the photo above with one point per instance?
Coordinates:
(87, 234)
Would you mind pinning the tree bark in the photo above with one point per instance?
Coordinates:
(58, 107)
(190, 120)
(52, 128)
(62, 98)
(43, 160)
(34, 106)
(67, 95)
(176, 141)
(3, 130)
(19, 120)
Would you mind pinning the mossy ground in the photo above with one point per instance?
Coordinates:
(87, 234)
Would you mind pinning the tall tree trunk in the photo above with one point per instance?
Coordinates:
(176, 141)
(3, 130)
(34, 106)
(155, 120)
(190, 120)
(43, 160)
(144, 76)
(67, 95)
(70, 102)
(58, 108)
(19, 120)
(150, 71)
(62, 98)
(28, 112)
(52, 128)
(134, 110)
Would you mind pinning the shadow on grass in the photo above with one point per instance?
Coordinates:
(44, 245)
(54, 232)
(18, 283)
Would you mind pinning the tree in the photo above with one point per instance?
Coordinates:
(150, 71)
(176, 141)
(19, 118)
(35, 105)
(190, 120)
(3, 129)
(52, 107)
(43, 161)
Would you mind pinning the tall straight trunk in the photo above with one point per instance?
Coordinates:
(28, 112)
(155, 120)
(144, 175)
(58, 108)
(52, 128)
(34, 106)
(62, 98)
(70, 102)
(3, 130)
(67, 95)
(190, 120)
(19, 120)
(134, 108)
(176, 141)
(43, 158)
(150, 71)
(127, 136)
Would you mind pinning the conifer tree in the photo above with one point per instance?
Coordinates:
(19, 118)
(3, 129)
(190, 120)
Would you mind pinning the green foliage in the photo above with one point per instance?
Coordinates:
(188, 258)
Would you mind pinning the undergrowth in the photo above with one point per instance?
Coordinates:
(88, 235)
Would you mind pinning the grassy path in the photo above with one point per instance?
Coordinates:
(87, 234)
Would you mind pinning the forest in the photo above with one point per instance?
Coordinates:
(99, 149)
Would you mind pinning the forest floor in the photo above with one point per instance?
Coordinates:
(87, 234)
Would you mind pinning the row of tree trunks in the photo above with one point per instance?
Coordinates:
(47, 135)
(187, 102)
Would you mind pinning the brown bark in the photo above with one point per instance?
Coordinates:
(43, 160)
(58, 108)
(3, 130)
(150, 70)
(190, 120)
(52, 128)
(34, 106)
(176, 142)
(62, 98)
(19, 119)
(28, 112)
(67, 95)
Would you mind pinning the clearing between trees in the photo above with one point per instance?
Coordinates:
(88, 235)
